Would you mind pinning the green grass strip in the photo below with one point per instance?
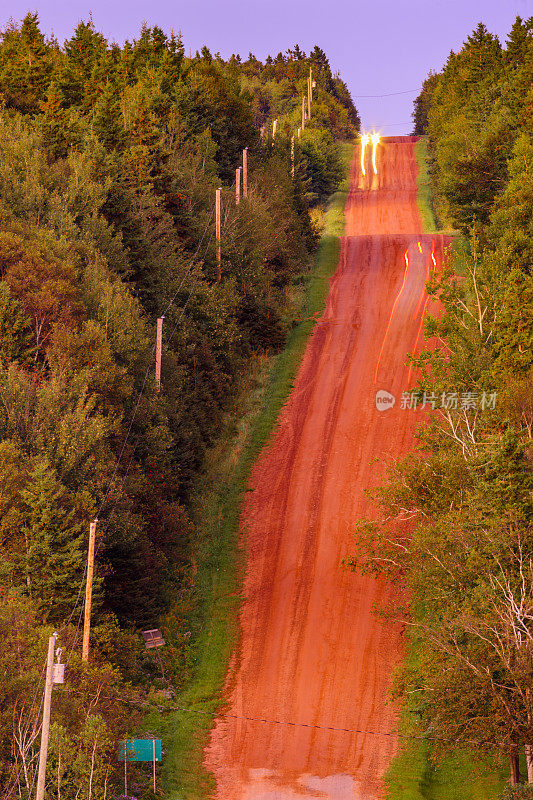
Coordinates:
(415, 775)
(423, 196)
(215, 626)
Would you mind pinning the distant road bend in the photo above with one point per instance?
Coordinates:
(311, 650)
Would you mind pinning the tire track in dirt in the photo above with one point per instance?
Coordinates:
(311, 649)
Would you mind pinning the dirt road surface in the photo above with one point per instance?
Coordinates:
(311, 649)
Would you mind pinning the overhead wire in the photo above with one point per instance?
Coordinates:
(191, 263)
(117, 464)
(311, 725)
(16, 780)
(147, 372)
(388, 94)
(169, 338)
(125, 441)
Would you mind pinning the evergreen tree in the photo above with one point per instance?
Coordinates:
(53, 526)
(15, 334)
(25, 67)
(84, 67)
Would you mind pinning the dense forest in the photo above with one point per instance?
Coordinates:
(110, 156)
(463, 501)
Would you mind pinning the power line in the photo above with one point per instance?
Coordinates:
(389, 94)
(334, 728)
(147, 372)
(310, 725)
(190, 265)
(169, 338)
(393, 124)
(16, 780)
(118, 462)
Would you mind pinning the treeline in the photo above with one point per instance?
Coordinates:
(457, 514)
(109, 160)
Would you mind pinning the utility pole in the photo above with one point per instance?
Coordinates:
(311, 81)
(245, 172)
(238, 185)
(45, 731)
(126, 767)
(158, 349)
(292, 156)
(309, 98)
(218, 213)
(88, 592)
(303, 113)
(153, 759)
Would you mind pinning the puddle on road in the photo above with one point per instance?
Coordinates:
(264, 784)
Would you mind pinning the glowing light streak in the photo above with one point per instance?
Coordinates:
(421, 300)
(406, 258)
(375, 141)
(365, 139)
(419, 247)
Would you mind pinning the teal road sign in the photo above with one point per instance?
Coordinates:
(141, 750)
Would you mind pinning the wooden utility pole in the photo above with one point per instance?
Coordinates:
(45, 731)
(515, 765)
(311, 82)
(218, 206)
(303, 112)
(309, 98)
(88, 592)
(153, 759)
(292, 156)
(126, 767)
(158, 350)
(238, 185)
(245, 172)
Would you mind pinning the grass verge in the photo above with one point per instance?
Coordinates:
(424, 187)
(463, 775)
(219, 559)
(425, 199)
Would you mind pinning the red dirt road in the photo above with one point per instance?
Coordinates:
(311, 650)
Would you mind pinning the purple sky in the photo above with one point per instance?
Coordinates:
(379, 46)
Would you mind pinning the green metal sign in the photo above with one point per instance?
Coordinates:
(141, 750)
